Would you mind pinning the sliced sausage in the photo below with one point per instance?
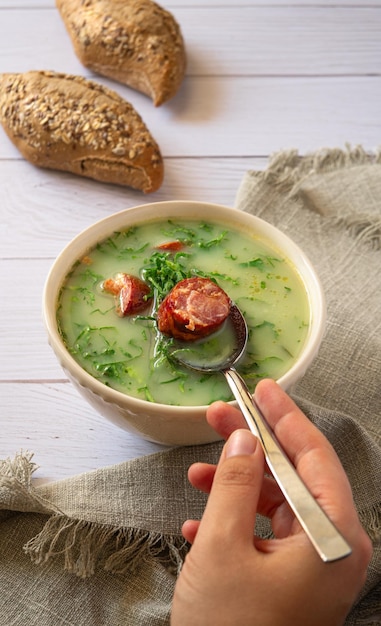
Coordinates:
(132, 294)
(194, 308)
(172, 246)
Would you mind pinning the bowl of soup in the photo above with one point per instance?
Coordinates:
(104, 290)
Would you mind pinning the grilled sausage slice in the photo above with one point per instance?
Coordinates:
(131, 294)
(193, 309)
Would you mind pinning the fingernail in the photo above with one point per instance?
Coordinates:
(240, 442)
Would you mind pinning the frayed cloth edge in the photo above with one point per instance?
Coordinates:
(365, 229)
(288, 168)
(20, 467)
(16, 490)
(86, 547)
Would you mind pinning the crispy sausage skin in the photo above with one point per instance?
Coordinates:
(131, 293)
(193, 309)
(172, 246)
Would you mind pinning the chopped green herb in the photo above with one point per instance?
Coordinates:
(213, 242)
(260, 262)
(162, 272)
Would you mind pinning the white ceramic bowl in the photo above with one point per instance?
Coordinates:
(171, 425)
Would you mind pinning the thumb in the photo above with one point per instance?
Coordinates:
(232, 505)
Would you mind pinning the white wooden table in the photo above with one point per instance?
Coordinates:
(261, 77)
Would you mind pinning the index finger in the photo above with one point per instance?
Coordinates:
(229, 516)
(308, 449)
(291, 427)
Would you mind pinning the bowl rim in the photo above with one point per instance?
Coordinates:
(79, 245)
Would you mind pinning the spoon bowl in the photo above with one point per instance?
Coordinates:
(325, 537)
(210, 354)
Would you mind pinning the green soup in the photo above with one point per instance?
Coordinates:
(129, 355)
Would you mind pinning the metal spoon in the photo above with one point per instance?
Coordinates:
(325, 537)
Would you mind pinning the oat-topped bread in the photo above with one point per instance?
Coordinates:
(135, 42)
(66, 122)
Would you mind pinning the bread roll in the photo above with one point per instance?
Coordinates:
(66, 122)
(135, 42)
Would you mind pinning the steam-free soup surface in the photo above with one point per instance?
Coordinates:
(128, 353)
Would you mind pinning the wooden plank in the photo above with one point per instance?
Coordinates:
(24, 349)
(66, 435)
(284, 41)
(247, 117)
(22, 4)
(49, 208)
(254, 40)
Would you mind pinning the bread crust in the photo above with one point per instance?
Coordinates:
(135, 42)
(66, 122)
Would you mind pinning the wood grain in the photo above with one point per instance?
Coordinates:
(234, 40)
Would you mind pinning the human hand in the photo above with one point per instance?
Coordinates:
(233, 578)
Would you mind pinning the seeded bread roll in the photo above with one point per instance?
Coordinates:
(66, 122)
(135, 42)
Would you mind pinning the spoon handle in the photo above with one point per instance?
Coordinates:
(324, 536)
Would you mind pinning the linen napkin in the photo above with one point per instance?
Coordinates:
(105, 547)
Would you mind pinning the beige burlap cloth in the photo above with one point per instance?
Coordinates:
(104, 548)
